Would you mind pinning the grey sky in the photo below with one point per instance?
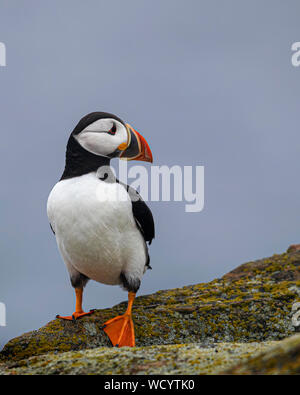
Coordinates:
(207, 82)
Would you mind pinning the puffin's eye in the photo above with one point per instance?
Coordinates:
(112, 131)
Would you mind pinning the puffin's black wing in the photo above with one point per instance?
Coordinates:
(142, 213)
(51, 228)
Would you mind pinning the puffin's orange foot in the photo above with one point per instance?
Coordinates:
(120, 331)
(75, 316)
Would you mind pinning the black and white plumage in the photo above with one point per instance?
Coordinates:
(101, 230)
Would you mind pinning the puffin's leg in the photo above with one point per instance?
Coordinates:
(120, 330)
(78, 281)
(78, 307)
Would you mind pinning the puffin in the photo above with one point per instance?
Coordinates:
(102, 226)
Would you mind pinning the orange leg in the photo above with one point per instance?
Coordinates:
(120, 330)
(78, 308)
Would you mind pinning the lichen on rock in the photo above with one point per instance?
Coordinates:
(166, 359)
(253, 303)
(282, 358)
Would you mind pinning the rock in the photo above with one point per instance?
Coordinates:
(275, 357)
(282, 358)
(252, 303)
(171, 359)
(293, 248)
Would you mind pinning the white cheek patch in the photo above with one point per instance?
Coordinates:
(95, 138)
(96, 143)
(100, 125)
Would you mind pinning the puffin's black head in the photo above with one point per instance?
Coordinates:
(98, 137)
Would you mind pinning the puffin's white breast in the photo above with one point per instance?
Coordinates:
(95, 229)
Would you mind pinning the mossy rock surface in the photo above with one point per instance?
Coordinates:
(250, 304)
(170, 359)
(282, 358)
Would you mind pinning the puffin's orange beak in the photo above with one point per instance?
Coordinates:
(136, 148)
